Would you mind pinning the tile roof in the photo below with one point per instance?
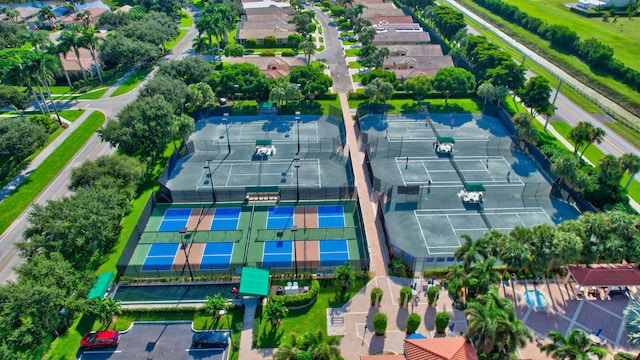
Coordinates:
(401, 37)
(445, 348)
(391, 19)
(415, 50)
(383, 357)
(605, 274)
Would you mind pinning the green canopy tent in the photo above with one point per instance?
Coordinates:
(254, 281)
(101, 285)
(474, 187)
(446, 140)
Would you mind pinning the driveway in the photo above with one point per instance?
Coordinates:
(158, 341)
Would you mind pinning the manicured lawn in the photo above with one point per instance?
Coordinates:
(623, 130)
(397, 106)
(173, 42)
(185, 19)
(562, 59)
(89, 95)
(23, 196)
(309, 319)
(352, 52)
(618, 35)
(355, 64)
(71, 115)
(133, 81)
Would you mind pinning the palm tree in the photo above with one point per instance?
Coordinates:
(345, 274)
(69, 40)
(17, 73)
(630, 163)
(47, 14)
(576, 346)
(278, 93)
(484, 276)
(90, 41)
(105, 310)
(366, 35)
(486, 91)
(632, 323)
(564, 165)
(309, 345)
(469, 252)
(275, 312)
(12, 14)
(200, 45)
(214, 305)
(486, 326)
(596, 135)
(45, 68)
(308, 47)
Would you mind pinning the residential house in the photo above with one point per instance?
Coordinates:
(410, 66)
(370, 13)
(392, 37)
(379, 19)
(261, 22)
(445, 348)
(415, 50)
(76, 17)
(27, 13)
(271, 66)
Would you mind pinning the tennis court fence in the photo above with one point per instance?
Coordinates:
(150, 237)
(238, 194)
(305, 234)
(306, 145)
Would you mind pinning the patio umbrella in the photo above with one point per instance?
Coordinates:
(416, 336)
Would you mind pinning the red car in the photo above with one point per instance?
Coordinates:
(100, 339)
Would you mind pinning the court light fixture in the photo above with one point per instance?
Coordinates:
(207, 165)
(225, 117)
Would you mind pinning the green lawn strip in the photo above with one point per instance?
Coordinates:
(623, 130)
(542, 47)
(133, 81)
(93, 95)
(71, 115)
(352, 52)
(568, 91)
(185, 19)
(355, 64)
(23, 196)
(308, 319)
(593, 154)
(397, 106)
(169, 45)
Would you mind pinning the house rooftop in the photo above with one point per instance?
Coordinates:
(415, 50)
(400, 37)
(605, 274)
(445, 348)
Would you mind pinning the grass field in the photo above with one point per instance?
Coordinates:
(622, 93)
(133, 81)
(397, 106)
(618, 35)
(25, 194)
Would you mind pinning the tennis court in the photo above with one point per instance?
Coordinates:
(267, 173)
(277, 254)
(174, 220)
(333, 252)
(280, 217)
(440, 171)
(209, 256)
(280, 254)
(226, 219)
(331, 216)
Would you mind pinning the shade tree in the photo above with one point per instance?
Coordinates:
(453, 81)
(119, 172)
(535, 95)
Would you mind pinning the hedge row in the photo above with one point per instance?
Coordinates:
(300, 299)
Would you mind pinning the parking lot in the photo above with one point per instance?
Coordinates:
(156, 340)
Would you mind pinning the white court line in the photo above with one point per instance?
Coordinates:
(424, 238)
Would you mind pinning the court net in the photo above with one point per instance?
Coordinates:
(304, 234)
(151, 237)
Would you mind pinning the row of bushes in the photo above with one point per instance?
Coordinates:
(300, 299)
(591, 51)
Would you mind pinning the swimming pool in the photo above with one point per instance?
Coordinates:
(150, 293)
(536, 300)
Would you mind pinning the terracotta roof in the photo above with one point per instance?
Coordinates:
(372, 13)
(391, 19)
(383, 357)
(446, 348)
(419, 62)
(95, 12)
(124, 9)
(415, 50)
(401, 37)
(605, 274)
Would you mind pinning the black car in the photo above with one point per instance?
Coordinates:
(210, 339)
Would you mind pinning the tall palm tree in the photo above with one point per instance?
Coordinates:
(90, 41)
(70, 40)
(19, 74)
(45, 68)
(630, 163)
(214, 305)
(576, 346)
(469, 252)
(200, 45)
(345, 274)
(486, 326)
(12, 14)
(484, 275)
(105, 309)
(275, 312)
(596, 135)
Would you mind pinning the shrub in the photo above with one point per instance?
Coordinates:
(453, 289)
(623, 356)
(374, 294)
(300, 299)
(288, 53)
(268, 52)
(432, 294)
(442, 321)
(413, 322)
(251, 43)
(435, 272)
(405, 295)
(379, 323)
(399, 267)
(270, 41)
(234, 50)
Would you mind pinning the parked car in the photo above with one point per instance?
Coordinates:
(222, 101)
(210, 339)
(100, 339)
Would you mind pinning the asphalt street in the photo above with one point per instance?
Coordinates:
(156, 340)
(334, 54)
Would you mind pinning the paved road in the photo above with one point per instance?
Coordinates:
(92, 149)
(334, 54)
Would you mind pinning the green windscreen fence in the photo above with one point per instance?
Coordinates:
(474, 187)
(254, 281)
(101, 285)
(446, 139)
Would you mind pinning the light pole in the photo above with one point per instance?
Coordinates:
(226, 130)
(296, 164)
(297, 97)
(294, 230)
(183, 230)
(298, 129)
(213, 193)
(236, 88)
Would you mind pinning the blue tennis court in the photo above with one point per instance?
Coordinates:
(174, 220)
(226, 219)
(331, 216)
(280, 217)
(160, 257)
(216, 256)
(333, 252)
(277, 254)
